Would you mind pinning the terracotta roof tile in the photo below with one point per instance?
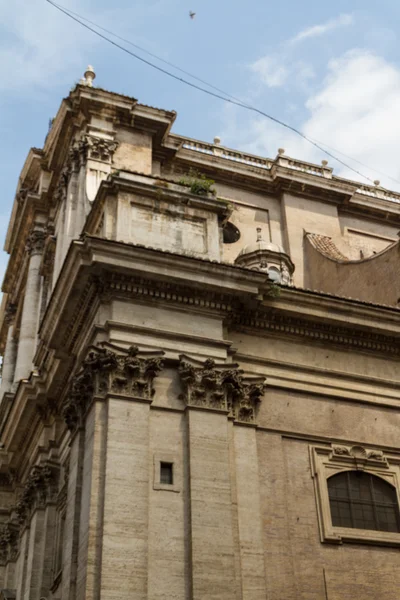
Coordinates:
(324, 244)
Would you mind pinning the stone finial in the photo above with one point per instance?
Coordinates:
(217, 140)
(281, 151)
(377, 182)
(259, 235)
(324, 163)
(89, 77)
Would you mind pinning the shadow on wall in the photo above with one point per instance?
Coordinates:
(374, 279)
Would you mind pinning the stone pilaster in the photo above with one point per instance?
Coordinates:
(108, 407)
(249, 513)
(76, 158)
(213, 393)
(31, 307)
(73, 515)
(10, 354)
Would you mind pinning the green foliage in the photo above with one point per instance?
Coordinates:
(274, 291)
(198, 183)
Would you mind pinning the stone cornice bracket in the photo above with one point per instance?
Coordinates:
(109, 369)
(40, 488)
(359, 457)
(36, 241)
(100, 149)
(220, 387)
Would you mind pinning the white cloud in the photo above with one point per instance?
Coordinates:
(355, 110)
(318, 30)
(271, 71)
(38, 46)
(277, 70)
(41, 47)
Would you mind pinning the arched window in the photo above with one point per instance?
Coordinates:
(363, 501)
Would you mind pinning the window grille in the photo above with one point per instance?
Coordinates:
(363, 501)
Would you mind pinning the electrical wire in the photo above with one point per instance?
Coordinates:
(210, 85)
(166, 62)
(324, 144)
(225, 97)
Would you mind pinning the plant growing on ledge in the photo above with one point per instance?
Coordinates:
(274, 291)
(198, 183)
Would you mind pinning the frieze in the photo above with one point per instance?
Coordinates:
(110, 369)
(222, 387)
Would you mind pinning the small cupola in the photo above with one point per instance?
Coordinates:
(267, 257)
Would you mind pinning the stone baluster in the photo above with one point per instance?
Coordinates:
(29, 319)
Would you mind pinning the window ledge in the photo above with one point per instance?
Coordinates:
(338, 535)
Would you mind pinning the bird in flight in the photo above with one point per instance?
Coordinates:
(192, 14)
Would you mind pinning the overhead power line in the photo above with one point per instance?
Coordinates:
(221, 95)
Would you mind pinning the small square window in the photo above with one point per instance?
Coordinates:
(166, 473)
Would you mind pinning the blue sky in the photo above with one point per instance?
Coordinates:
(330, 69)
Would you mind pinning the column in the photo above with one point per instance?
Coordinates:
(10, 356)
(28, 331)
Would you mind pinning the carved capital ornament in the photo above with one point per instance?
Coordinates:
(221, 387)
(110, 369)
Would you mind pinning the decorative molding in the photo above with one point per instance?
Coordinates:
(100, 149)
(8, 478)
(36, 241)
(40, 488)
(10, 313)
(47, 410)
(9, 543)
(222, 387)
(278, 322)
(109, 369)
(359, 456)
(60, 192)
(329, 460)
(117, 285)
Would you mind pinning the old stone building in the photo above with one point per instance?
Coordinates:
(201, 386)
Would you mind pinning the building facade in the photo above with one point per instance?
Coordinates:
(201, 386)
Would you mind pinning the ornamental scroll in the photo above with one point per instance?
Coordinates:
(110, 369)
(221, 387)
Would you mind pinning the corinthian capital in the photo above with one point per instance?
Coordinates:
(100, 148)
(222, 387)
(36, 240)
(111, 370)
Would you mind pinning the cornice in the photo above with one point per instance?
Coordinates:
(278, 322)
(154, 187)
(106, 269)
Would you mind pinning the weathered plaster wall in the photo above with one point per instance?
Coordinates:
(134, 152)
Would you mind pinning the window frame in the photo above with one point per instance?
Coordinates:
(327, 461)
(172, 459)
